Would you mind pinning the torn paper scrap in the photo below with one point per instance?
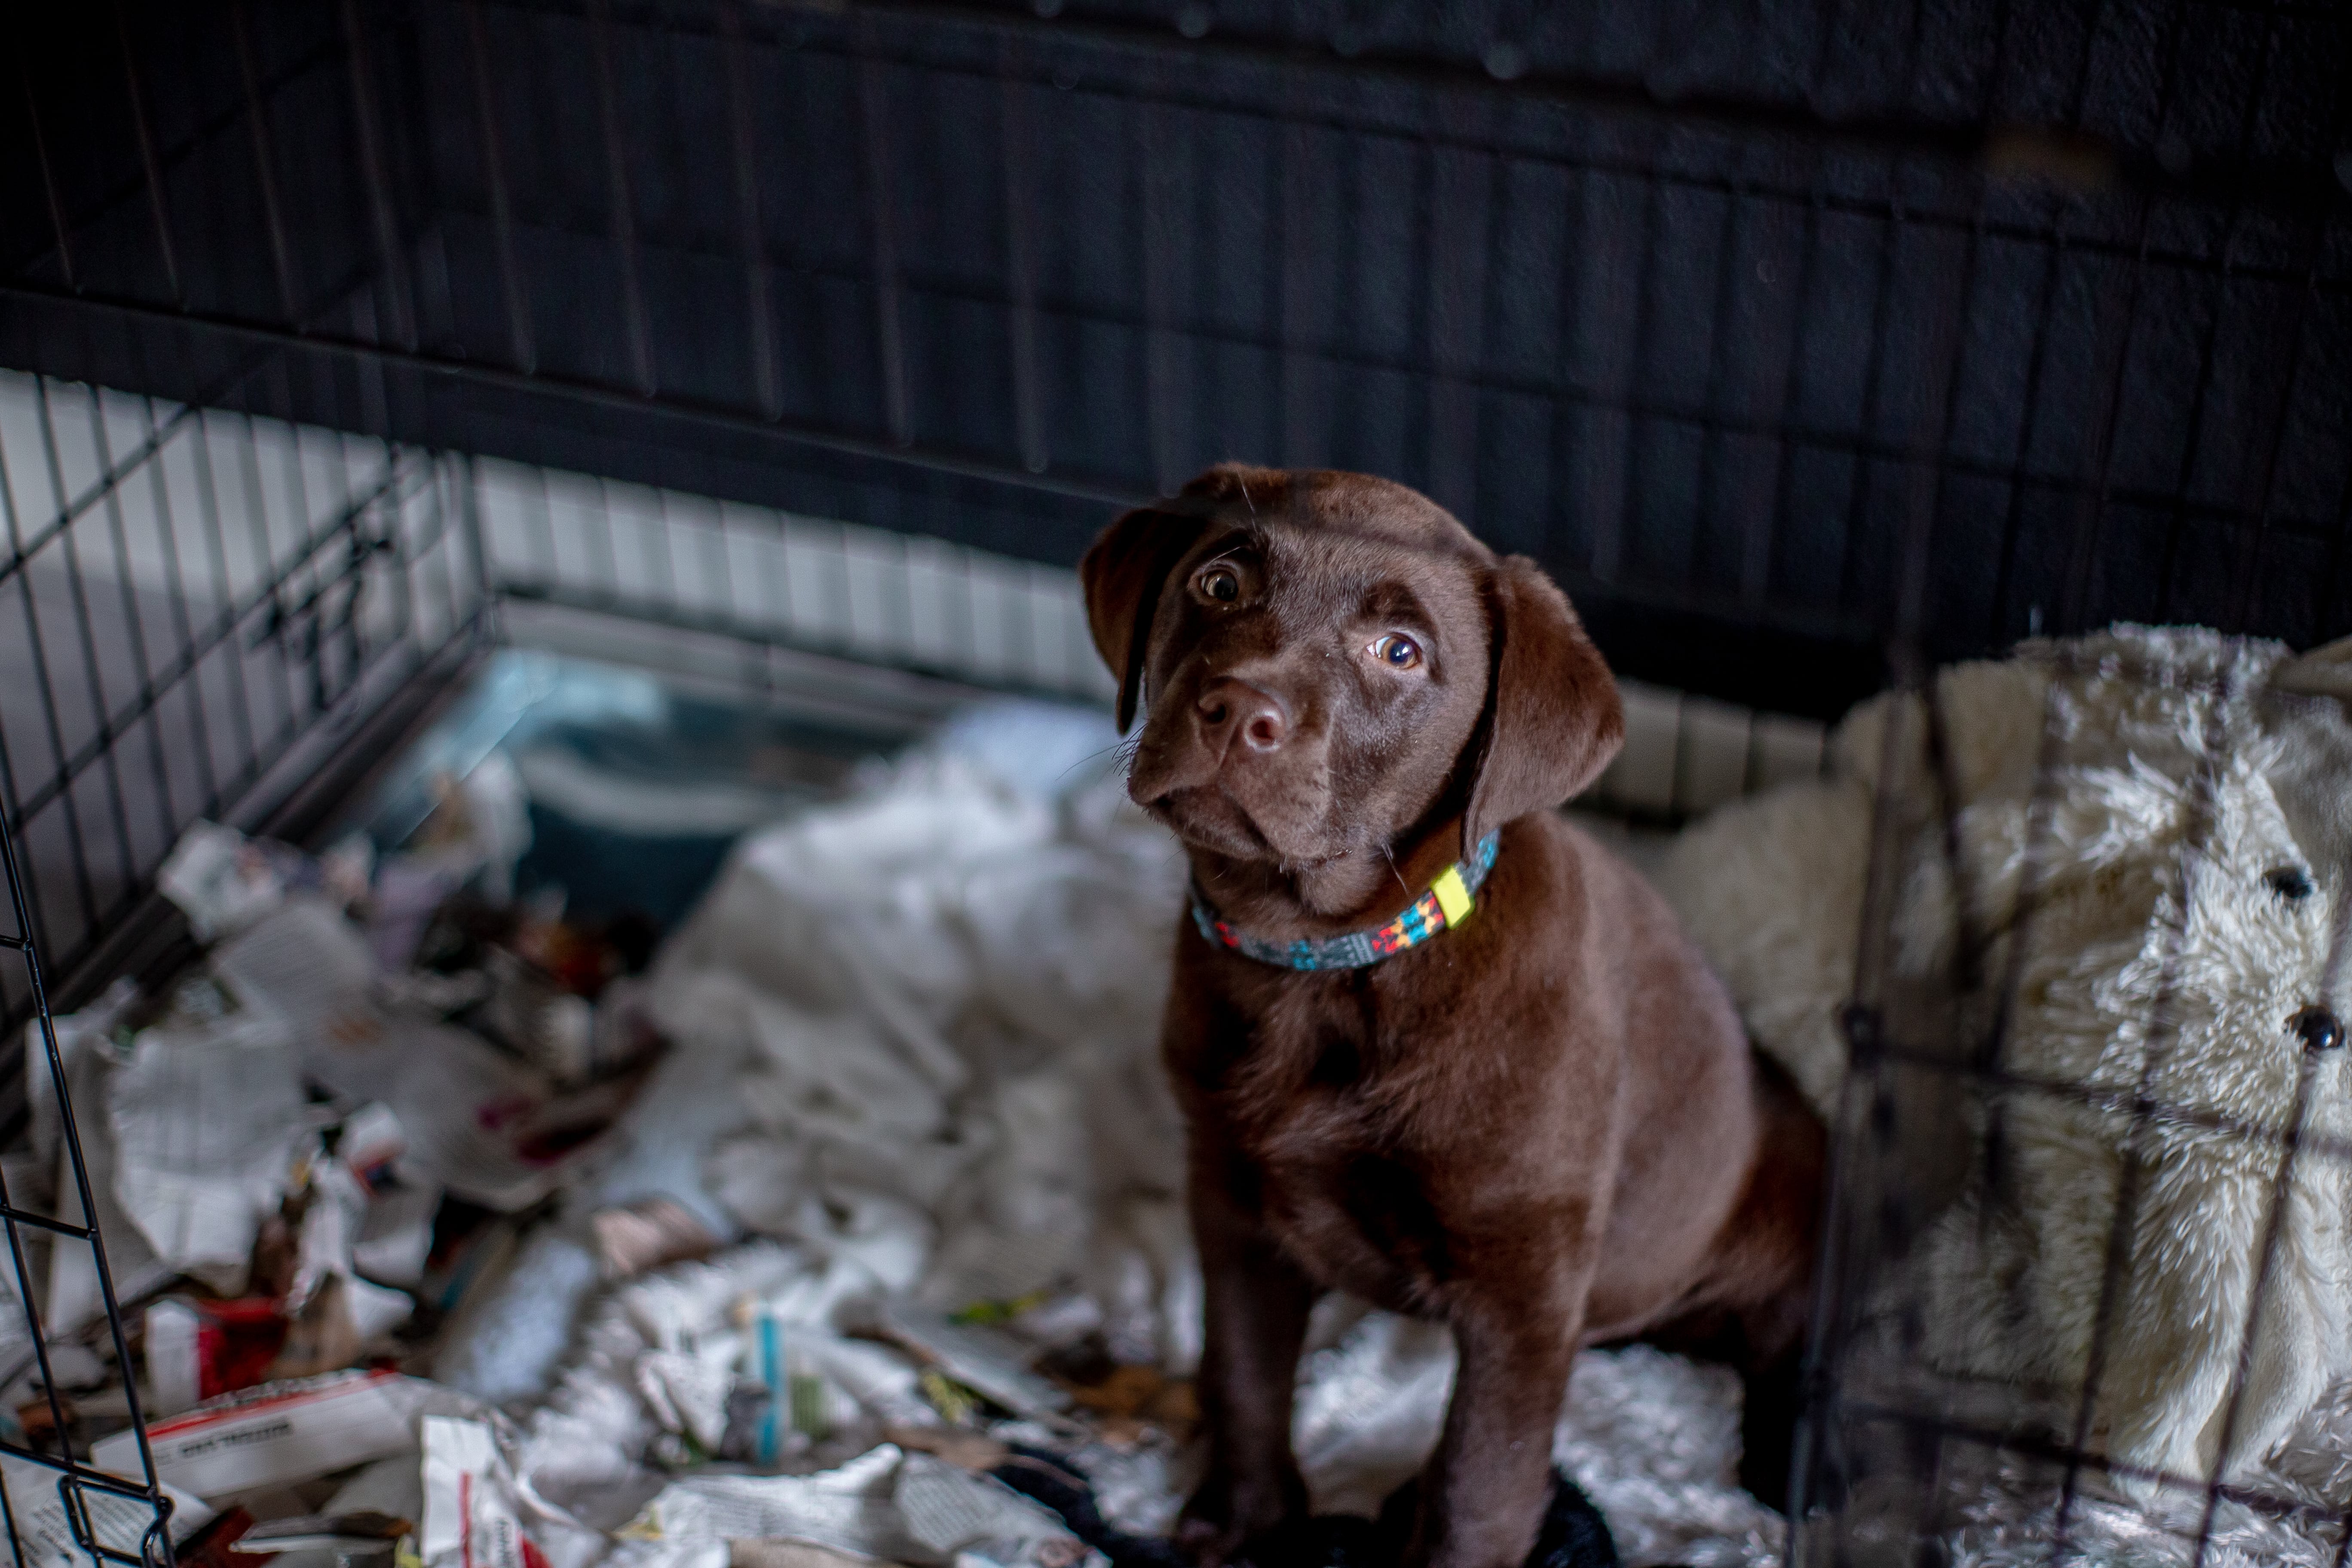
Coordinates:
(476, 1122)
(472, 1517)
(778, 1554)
(887, 1504)
(358, 1534)
(371, 1138)
(220, 881)
(311, 965)
(46, 1540)
(851, 1508)
(396, 1237)
(981, 1359)
(955, 1516)
(206, 1122)
(649, 1233)
(282, 1432)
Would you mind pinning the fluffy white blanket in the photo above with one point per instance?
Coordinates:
(2121, 862)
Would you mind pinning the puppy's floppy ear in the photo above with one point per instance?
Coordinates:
(1553, 717)
(1122, 572)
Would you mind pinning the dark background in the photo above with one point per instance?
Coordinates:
(1791, 336)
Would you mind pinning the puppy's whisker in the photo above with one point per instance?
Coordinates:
(1121, 752)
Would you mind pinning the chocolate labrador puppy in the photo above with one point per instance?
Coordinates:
(1435, 1045)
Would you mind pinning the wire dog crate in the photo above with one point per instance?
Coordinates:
(1809, 345)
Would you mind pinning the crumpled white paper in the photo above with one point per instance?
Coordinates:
(915, 1044)
(949, 992)
(207, 1119)
(885, 1504)
(45, 1539)
(478, 1511)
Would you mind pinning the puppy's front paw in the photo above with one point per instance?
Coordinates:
(1206, 1542)
(1227, 1509)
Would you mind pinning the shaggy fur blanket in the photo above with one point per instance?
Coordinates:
(2124, 859)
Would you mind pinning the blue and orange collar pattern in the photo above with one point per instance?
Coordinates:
(1448, 902)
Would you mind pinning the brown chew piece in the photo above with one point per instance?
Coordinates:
(1546, 1127)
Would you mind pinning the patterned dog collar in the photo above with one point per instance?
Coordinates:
(1448, 902)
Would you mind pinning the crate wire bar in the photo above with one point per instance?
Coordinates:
(1809, 349)
(113, 1518)
(1654, 302)
(195, 605)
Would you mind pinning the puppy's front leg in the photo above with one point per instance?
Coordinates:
(1483, 1495)
(1256, 1304)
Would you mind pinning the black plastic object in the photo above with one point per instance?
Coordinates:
(2319, 1028)
(1573, 1535)
(1050, 1479)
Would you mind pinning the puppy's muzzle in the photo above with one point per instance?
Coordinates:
(1230, 713)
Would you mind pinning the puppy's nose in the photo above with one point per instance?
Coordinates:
(1231, 710)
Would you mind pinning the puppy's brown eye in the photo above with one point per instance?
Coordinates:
(1397, 651)
(1220, 585)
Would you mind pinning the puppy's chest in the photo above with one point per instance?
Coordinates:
(1320, 1109)
(1303, 1083)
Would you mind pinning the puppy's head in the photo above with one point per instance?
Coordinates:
(1325, 660)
